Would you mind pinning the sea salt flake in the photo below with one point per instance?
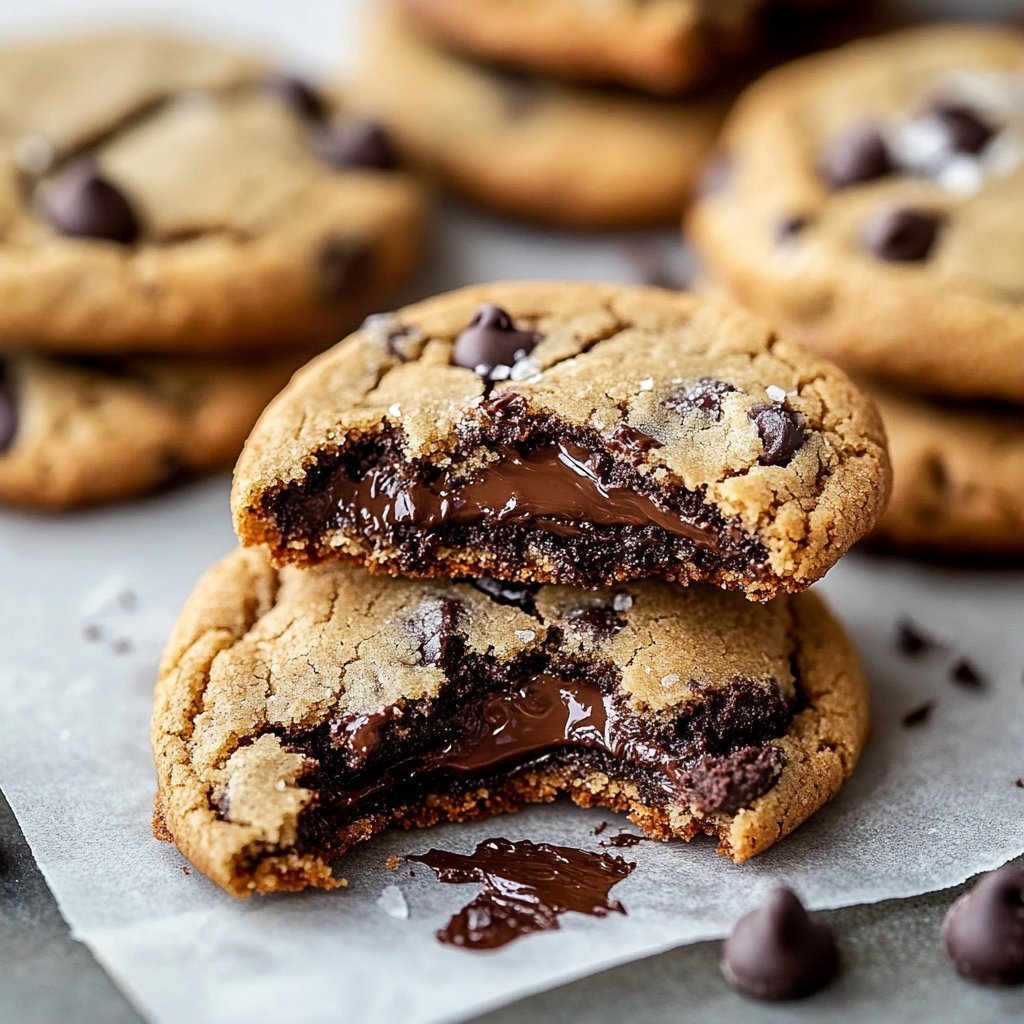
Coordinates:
(622, 602)
(525, 369)
(775, 393)
(395, 409)
(647, 384)
(393, 903)
(525, 635)
(280, 785)
(670, 680)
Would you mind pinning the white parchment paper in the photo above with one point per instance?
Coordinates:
(86, 601)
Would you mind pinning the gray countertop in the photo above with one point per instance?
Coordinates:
(892, 972)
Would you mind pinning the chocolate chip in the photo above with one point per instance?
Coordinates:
(983, 934)
(597, 621)
(780, 432)
(716, 175)
(902, 235)
(704, 395)
(520, 92)
(515, 595)
(358, 144)
(779, 951)
(344, 265)
(82, 203)
(965, 128)
(299, 95)
(8, 409)
(919, 715)
(860, 154)
(790, 227)
(966, 675)
(630, 441)
(435, 625)
(491, 339)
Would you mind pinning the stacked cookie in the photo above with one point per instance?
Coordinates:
(600, 506)
(542, 110)
(181, 228)
(870, 202)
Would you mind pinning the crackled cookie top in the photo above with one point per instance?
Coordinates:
(161, 194)
(660, 46)
(298, 712)
(74, 431)
(571, 433)
(532, 147)
(871, 201)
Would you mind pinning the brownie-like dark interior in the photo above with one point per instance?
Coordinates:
(492, 721)
(553, 488)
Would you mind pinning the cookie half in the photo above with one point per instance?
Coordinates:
(958, 473)
(659, 47)
(567, 433)
(870, 201)
(301, 712)
(535, 148)
(163, 195)
(80, 431)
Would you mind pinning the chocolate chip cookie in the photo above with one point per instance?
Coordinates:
(300, 712)
(958, 475)
(871, 202)
(660, 47)
(567, 433)
(163, 195)
(535, 148)
(75, 431)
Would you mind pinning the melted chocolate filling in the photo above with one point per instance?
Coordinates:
(547, 487)
(492, 722)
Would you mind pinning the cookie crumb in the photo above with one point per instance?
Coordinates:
(525, 635)
(394, 861)
(185, 870)
(919, 715)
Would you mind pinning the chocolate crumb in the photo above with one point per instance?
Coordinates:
(604, 824)
(185, 870)
(913, 641)
(964, 674)
(393, 862)
(122, 646)
(919, 715)
(92, 632)
(1019, 783)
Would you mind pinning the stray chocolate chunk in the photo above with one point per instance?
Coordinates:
(344, 265)
(964, 674)
(912, 641)
(492, 339)
(983, 933)
(82, 203)
(704, 396)
(1019, 783)
(625, 840)
(860, 154)
(600, 828)
(526, 889)
(966, 129)
(780, 432)
(919, 715)
(779, 951)
(435, 625)
(299, 95)
(358, 144)
(8, 409)
(902, 235)
(717, 175)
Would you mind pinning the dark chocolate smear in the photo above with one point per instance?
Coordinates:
(527, 887)
(860, 154)
(491, 339)
(435, 626)
(780, 432)
(629, 441)
(358, 144)
(902, 235)
(983, 934)
(81, 203)
(302, 97)
(8, 409)
(704, 396)
(779, 951)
